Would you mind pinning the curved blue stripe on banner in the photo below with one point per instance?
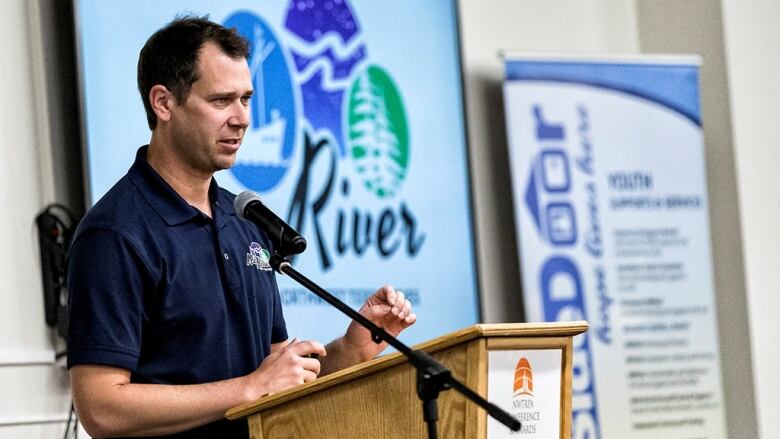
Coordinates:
(694, 118)
(672, 85)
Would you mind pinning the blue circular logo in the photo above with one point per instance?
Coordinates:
(269, 143)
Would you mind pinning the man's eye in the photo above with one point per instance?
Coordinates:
(245, 100)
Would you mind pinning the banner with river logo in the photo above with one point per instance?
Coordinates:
(356, 138)
(610, 195)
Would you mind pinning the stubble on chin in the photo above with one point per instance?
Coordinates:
(225, 161)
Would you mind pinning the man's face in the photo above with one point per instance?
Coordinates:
(208, 127)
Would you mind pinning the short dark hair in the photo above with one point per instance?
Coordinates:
(170, 56)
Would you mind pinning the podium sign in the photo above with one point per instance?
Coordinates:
(527, 384)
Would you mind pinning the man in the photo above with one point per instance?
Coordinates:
(169, 327)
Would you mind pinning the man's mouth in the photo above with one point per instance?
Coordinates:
(235, 142)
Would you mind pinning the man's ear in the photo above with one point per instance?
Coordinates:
(162, 102)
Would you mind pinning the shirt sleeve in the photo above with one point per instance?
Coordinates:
(106, 283)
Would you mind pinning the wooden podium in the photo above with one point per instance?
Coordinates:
(378, 399)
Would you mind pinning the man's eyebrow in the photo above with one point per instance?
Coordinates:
(223, 94)
(230, 94)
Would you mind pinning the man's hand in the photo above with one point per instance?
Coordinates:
(386, 308)
(288, 365)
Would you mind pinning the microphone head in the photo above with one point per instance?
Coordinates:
(285, 239)
(242, 201)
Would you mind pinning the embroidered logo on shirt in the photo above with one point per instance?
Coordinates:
(259, 257)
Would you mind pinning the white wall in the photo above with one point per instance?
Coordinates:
(753, 54)
(34, 401)
(490, 26)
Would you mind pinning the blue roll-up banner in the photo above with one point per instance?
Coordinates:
(610, 195)
(356, 138)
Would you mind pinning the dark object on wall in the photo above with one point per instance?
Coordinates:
(56, 225)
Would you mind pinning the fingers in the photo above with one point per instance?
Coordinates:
(288, 366)
(384, 314)
(398, 303)
(306, 355)
(306, 348)
(309, 376)
(393, 302)
(402, 305)
(390, 296)
(311, 368)
(406, 312)
(386, 294)
(403, 309)
(301, 369)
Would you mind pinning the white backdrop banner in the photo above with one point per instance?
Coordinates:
(610, 195)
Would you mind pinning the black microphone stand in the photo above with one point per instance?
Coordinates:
(432, 376)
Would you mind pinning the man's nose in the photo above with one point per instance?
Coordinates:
(240, 115)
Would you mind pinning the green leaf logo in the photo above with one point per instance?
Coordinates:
(378, 133)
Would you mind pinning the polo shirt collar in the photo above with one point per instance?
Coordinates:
(221, 205)
(171, 207)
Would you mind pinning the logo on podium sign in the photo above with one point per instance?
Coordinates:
(524, 378)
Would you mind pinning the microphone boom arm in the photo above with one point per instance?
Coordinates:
(432, 376)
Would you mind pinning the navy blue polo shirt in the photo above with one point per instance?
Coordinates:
(160, 289)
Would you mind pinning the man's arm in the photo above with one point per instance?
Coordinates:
(108, 404)
(386, 308)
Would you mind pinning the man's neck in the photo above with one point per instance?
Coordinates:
(192, 186)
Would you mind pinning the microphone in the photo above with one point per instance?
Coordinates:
(285, 239)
